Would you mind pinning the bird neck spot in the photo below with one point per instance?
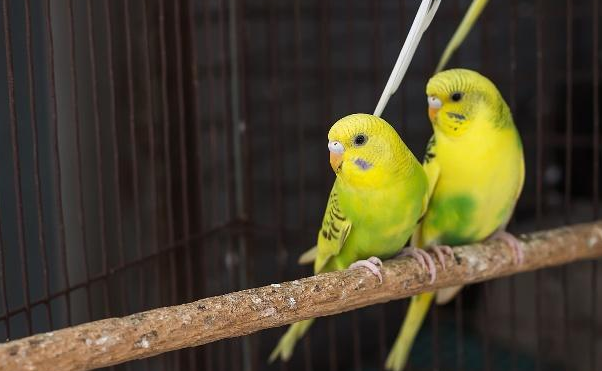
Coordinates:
(456, 116)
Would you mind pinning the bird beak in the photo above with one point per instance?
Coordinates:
(432, 113)
(434, 105)
(336, 154)
(336, 159)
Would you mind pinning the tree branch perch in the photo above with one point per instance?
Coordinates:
(116, 340)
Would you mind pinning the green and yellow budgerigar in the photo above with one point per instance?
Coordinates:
(475, 167)
(379, 194)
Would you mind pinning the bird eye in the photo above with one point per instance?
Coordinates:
(456, 96)
(359, 140)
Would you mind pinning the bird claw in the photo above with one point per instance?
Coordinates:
(513, 242)
(440, 251)
(373, 264)
(414, 253)
(424, 259)
(376, 261)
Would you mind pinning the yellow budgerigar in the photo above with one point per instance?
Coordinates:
(379, 194)
(475, 167)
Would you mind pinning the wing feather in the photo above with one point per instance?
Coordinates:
(336, 227)
(432, 169)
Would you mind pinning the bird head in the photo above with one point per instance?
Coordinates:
(366, 151)
(459, 99)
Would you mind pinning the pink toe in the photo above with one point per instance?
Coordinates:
(420, 258)
(448, 250)
(424, 259)
(514, 243)
(376, 261)
(441, 251)
(413, 252)
(440, 257)
(431, 265)
(519, 254)
(370, 266)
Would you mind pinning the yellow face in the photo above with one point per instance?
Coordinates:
(351, 147)
(456, 98)
(363, 149)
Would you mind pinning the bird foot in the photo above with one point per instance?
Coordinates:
(513, 242)
(440, 251)
(373, 264)
(424, 259)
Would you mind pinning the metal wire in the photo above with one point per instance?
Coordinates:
(10, 78)
(116, 152)
(119, 269)
(6, 318)
(596, 174)
(36, 159)
(212, 156)
(196, 114)
(81, 216)
(99, 156)
(56, 159)
(566, 334)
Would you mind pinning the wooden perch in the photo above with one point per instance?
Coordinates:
(116, 340)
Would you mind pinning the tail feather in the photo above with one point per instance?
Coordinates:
(468, 21)
(309, 256)
(447, 294)
(286, 345)
(419, 306)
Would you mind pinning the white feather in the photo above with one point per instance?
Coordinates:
(423, 19)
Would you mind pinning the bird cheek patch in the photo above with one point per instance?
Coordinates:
(363, 164)
(455, 125)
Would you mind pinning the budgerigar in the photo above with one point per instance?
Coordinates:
(475, 166)
(379, 194)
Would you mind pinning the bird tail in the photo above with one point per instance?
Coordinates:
(447, 294)
(309, 256)
(467, 22)
(419, 306)
(284, 349)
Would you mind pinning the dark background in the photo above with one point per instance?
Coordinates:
(155, 152)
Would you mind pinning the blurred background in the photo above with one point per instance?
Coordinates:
(154, 152)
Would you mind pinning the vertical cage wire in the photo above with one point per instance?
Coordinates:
(596, 173)
(10, 78)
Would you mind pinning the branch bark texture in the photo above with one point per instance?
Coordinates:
(116, 340)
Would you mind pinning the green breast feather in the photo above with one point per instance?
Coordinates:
(453, 217)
